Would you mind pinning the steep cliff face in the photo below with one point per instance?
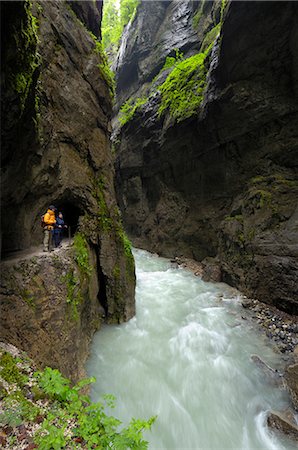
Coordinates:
(222, 181)
(49, 307)
(157, 31)
(55, 142)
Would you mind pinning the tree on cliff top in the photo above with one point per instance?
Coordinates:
(116, 14)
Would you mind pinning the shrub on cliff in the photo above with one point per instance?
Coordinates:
(128, 109)
(182, 92)
(44, 409)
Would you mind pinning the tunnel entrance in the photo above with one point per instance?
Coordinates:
(71, 214)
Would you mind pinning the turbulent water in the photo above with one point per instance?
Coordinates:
(186, 357)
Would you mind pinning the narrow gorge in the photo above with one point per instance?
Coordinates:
(216, 176)
(170, 126)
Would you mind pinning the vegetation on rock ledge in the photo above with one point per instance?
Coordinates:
(182, 92)
(55, 415)
(128, 109)
(25, 39)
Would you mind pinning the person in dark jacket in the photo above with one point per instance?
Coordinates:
(58, 230)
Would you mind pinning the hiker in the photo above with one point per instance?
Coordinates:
(58, 230)
(49, 221)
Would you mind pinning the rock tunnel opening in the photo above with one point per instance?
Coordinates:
(71, 215)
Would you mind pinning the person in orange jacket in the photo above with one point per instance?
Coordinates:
(49, 221)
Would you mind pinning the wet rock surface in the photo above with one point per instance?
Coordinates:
(50, 310)
(280, 328)
(223, 183)
(285, 423)
(160, 27)
(56, 150)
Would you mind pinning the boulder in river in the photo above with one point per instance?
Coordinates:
(281, 422)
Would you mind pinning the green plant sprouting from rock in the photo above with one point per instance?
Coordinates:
(82, 254)
(9, 370)
(128, 109)
(105, 221)
(126, 244)
(27, 60)
(209, 39)
(74, 295)
(59, 414)
(105, 70)
(182, 92)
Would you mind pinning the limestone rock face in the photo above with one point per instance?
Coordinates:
(56, 147)
(222, 182)
(158, 30)
(90, 13)
(291, 377)
(50, 309)
(283, 424)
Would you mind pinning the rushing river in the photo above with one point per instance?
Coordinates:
(186, 357)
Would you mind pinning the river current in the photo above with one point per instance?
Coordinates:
(186, 357)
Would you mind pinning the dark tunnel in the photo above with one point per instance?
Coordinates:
(71, 214)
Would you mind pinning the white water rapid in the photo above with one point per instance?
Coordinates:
(186, 357)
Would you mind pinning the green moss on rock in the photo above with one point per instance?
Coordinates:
(129, 108)
(104, 218)
(25, 39)
(182, 92)
(209, 39)
(9, 370)
(82, 254)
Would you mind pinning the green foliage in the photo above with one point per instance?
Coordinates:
(17, 408)
(127, 251)
(11, 417)
(222, 10)
(170, 62)
(52, 438)
(28, 297)
(128, 109)
(74, 295)
(9, 370)
(116, 272)
(53, 383)
(276, 180)
(104, 219)
(263, 198)
(209, 39)
(114, 20)
(82, 254)
(92, 424)
(69, 419)
(238, 217)
(25, 39)
(196, 19)
(105, 70)
(182, 91)
(81, 257)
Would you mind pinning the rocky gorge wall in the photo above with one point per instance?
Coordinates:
(221, 182)
(56, 107)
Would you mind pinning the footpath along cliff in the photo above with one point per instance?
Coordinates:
(56, 108)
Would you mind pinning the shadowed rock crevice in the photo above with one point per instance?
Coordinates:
(102, 293)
